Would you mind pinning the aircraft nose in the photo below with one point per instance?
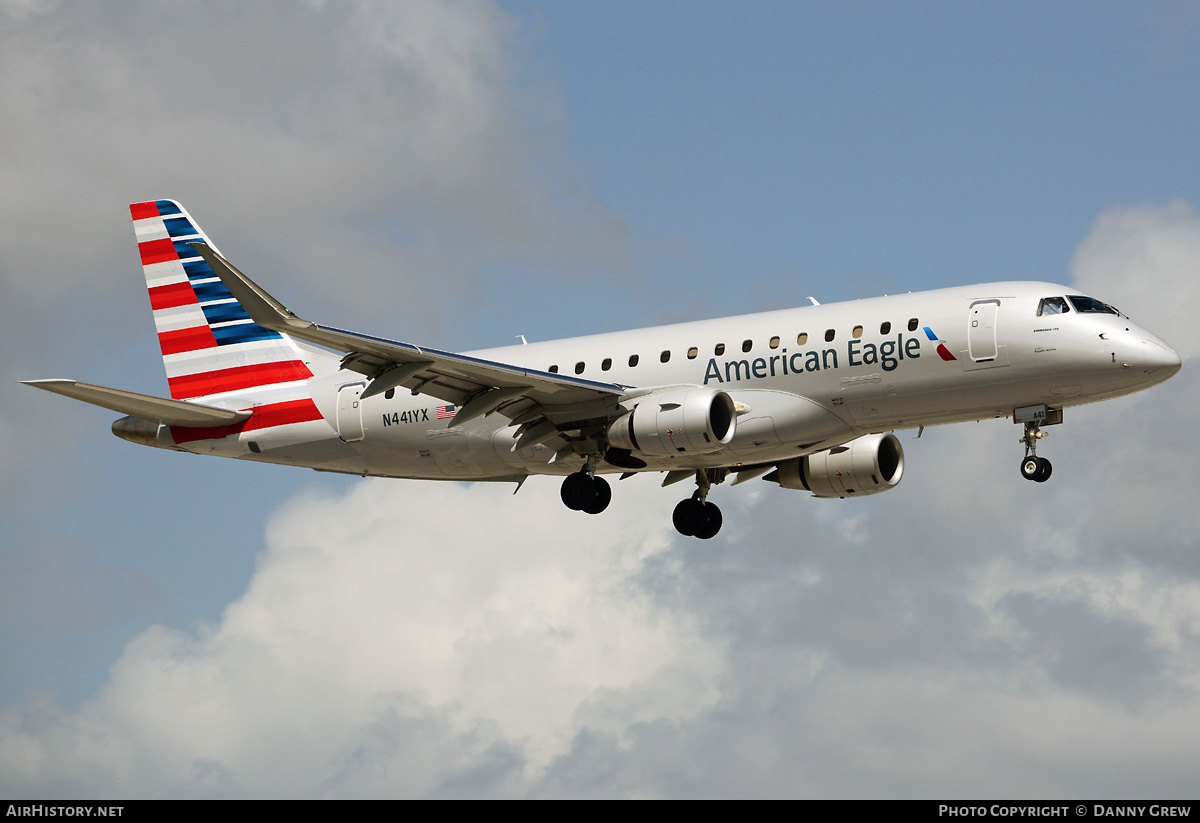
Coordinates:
(1162, 361)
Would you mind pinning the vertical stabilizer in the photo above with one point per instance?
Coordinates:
(211, 348)
(209, 344)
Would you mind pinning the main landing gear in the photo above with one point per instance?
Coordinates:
(696, 517)
(1033, 467)
(585, 491)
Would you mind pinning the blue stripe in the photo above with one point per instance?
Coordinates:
(198, 269)
(184, 250)
(180, 227)
(166, 207)
(929, 333)
(208, 292)
(224, 313)
(246, 333)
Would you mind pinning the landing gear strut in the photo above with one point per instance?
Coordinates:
(1034, 467)
(696, 517)
(584, 491)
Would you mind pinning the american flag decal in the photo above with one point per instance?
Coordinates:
(445, 412)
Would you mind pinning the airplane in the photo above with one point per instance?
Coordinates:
(808, 398)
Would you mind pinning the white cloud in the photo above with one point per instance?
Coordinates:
(390, 638)
(1144, 260)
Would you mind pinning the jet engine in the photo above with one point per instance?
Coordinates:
(868, 465)
(693, 420)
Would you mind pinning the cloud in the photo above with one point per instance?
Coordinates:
(385, 139)
(400, 639)
(1146, 258)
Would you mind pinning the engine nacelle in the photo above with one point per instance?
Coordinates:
(868, 465)
(677, 421)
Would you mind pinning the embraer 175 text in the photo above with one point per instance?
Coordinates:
(803, 397)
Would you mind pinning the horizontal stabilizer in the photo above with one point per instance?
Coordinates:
(145, 406)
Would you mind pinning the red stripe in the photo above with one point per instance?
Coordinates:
(264, 417)
(157, 251)
(141, 211)
(172, 295)
(239, 377)
(197, 337)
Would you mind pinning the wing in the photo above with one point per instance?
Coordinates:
(543, 402)
(145, 406)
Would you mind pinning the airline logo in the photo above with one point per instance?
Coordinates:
(942, 351)
(888, 355)
(209, 344)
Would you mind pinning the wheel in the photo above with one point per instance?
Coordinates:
(689, 517)
(577, 491)
(1030, 467)
(602, 496)
(714, 522)
(1044, 470)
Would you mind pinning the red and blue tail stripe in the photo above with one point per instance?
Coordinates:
(210, 346)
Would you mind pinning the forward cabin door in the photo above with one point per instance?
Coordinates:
(981, 330)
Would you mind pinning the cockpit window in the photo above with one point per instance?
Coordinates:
(1052, 305)
(1090, 305)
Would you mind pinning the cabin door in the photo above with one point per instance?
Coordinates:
(981, 330)
(349, 412)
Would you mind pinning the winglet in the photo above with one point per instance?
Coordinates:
(263, 309)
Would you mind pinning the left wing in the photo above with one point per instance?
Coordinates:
(527, 396)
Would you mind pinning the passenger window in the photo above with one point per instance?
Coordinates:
(693, 352)
(719, 349)
(885, 327)
(774, 342)
(579, 367)
(829, 334)
(665, 357)
(553, 369)
(606, 364)
(747, 345)
(912, 324)
(633, 360)
(389, 394)
(1052, 305)
(857, 332)
(802, 338)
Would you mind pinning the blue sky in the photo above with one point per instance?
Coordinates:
(456, 174)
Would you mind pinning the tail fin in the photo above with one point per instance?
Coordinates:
(209, 343)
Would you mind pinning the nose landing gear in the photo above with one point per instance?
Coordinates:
(1033, 467)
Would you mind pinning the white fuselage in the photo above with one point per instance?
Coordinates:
(803, 379)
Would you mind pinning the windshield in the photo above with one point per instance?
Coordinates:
(1090, 305)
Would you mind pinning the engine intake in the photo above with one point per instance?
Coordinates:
(868, 465)
(680, 421)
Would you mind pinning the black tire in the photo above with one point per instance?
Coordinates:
(1030, 467)
(577, 491)
(1044, 470)
(602, 496)
(689, 517)
(714, 522)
